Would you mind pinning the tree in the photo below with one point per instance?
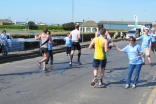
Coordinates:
(68, 26)
(32, 25)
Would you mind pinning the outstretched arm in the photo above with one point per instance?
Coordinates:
(37, 37)
(120, 50)
(92, 43)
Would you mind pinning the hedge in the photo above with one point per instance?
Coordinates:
(12, 27)
(23, 27)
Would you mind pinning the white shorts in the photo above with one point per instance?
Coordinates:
(146, 51)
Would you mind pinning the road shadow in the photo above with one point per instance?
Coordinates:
(21, 73)
(114, 69)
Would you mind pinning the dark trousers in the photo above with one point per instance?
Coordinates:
(68, 50)
(5, 48)
(50, 56)
(154, 46)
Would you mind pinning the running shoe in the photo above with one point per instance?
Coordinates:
(44, 69)
(151, 64)
(70, 63)
(95, 80)
(101, 83)
(127, 86)
(39, 64)
(133, 86)
(79, 63)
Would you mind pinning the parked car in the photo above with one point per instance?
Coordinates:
(131, 33)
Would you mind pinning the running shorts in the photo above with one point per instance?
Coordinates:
(75, 45)
(43, 50)
(146, 51)
(101, 63)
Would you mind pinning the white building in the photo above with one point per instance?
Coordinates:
(88, 26)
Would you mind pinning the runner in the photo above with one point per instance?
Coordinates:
(106, 35)
(50, 52)
(146, 46)
(134, 52)
(101, 47)
(75, 35)
(44, 39)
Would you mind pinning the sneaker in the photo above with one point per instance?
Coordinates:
(127, 86)
(39, 64)
(70, 63)
(94, 81)
(44, 69)
(151, 64)
(101, 83)
(79, 63)
(133, 86)
(143, 63)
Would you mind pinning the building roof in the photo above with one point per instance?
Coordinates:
(123, 22)
(5, 21)
(89, 23)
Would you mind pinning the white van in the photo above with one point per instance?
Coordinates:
(131, 33)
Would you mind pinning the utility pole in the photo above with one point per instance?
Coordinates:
(82, 30)
(72, 10)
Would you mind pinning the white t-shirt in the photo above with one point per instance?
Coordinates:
(75, 34)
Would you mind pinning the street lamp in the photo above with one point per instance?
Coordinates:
(82, 30)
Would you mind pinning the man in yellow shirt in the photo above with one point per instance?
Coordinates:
(101, 47)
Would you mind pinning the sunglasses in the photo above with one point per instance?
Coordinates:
(130, 40)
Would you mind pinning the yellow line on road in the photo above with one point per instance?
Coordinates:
(152, 95)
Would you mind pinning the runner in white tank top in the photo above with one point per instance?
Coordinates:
(44, 38)
(75, 35)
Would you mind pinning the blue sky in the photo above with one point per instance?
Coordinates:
(60, 11)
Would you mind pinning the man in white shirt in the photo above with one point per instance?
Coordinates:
(75, 36)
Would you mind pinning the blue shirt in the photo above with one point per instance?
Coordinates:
(68, 41)
(132, 52)
(146, 40)
(50, 45)
(153, 37)
(4, 38)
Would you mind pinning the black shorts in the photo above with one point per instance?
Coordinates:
(101, 63)
(75, 45)
(43, 50)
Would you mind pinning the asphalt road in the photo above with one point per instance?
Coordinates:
(21, 82)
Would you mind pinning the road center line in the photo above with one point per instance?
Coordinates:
(152, 95)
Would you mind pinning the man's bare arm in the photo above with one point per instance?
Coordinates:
(92, 43)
